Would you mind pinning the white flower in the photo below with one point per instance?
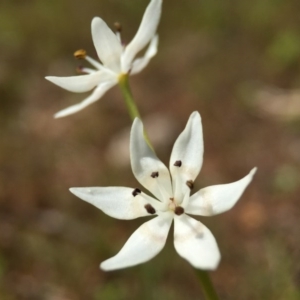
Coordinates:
(192, 240)
(116, 59)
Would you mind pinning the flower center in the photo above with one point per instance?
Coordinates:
(178, 210)
(172, 204)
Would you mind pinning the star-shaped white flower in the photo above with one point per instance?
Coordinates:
(116, 58)
(192, 240)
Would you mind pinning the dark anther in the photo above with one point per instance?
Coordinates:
(178, 163)
(154, 174)
(136, 192)
(190, 184)
(80, 54)
(150, 209)
(118, 26)
(179, 210)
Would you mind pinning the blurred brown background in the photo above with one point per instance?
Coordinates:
(236, 62)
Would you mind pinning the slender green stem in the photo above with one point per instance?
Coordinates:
(207, 286)
(130, 103)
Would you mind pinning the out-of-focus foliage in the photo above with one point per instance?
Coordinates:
(217, 57)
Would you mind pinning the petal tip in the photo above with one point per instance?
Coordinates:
(67, 111)
(137, 125)
(196, 114)
(137, 120)
(59, 115)
(96, 23)
(106, 266)
(51, 79)
(96, 19)
(156, 2)
(253, 171)
(72, 190)
(77, 191)
(102, 267)
(211, 266)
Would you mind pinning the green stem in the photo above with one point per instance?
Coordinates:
(207, 286)
(130, 103)
(126, 91)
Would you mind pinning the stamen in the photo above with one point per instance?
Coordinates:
(157, 205)
(164, 195)
(185, 199)
(178, 163)
(98, 65)
(177, 182)
(80, 54)
(118, 26)
(154, 174)
(190, 184)
(94, 63)
(150, 209)
(179, 210)
(136, 192)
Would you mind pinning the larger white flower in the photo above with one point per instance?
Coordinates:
(116, 59)
(192, 240)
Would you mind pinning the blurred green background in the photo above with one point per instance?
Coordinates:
(236, 62)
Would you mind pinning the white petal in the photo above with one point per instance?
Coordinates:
(194, 242)
(140, 63)
(146, 242)
(96, 95)
(145, 163)
(145, 33)
(117, 202)
(107, 45)
(216, 199)
(188, 153)
(81, 83)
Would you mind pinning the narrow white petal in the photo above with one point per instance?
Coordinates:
(216, 199)
(79, 84)
(187, 155)
(107, 45)
(140, 63)
(145, 164)
(117, 202)
(145, 33)
(194, 242)
(145, 243)
(96, 95)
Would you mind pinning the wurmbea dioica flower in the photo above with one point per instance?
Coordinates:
(117, 60)
(192, 240)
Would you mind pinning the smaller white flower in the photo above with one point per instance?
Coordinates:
(192, 240)
(117, 59)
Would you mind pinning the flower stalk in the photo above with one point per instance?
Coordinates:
(130, 103)
(126, 91)
(206, 284)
